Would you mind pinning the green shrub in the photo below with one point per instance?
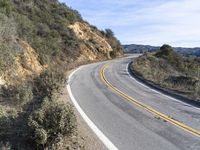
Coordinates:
(23, 95)
(7, 28)
(19, 95)
(6, 58)
(7, 117)
(8, 46)
(50, 121)
(165, 51)
(49, 83)
(6, 6)
(40, 136)
(25, 28)
(114, 43)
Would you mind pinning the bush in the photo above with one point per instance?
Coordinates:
(25, 28)
(49, 83)
(7, 28)
(40, 136)
(165, 51)
(109, 33)
(8, 45)
(7, 117)
(6, 58)
(114, 43)
(6, 6)
(50, 121)
(24, 95)
(19, 95)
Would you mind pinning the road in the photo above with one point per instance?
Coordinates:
(121, 110)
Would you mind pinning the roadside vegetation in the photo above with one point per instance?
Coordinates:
(168, 69)
(31, 116)
(114, 43)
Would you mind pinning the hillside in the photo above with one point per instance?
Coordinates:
(170, 70)
(47, 27)
(134, 48)
(39, 42)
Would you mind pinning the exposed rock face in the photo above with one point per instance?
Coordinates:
(93, 45)
(26, 64)
(2, 81)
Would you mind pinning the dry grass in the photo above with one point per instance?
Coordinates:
(167, 75)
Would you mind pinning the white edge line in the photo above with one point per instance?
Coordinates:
(156, 90)
(95, 129)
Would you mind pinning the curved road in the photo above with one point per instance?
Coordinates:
(123, 110)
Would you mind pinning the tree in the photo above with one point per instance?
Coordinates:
(109, 33)
(166, 50)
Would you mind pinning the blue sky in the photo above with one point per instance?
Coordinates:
(154, 22)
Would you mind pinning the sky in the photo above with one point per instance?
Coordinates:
(153, 22)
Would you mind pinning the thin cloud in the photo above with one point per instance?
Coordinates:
(155, 22)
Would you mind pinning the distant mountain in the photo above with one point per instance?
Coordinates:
(134, 48)
(188, 51)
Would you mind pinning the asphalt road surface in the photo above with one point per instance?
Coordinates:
(131, 115)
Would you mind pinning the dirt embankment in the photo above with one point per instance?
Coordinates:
(92, 46)
(26, 64)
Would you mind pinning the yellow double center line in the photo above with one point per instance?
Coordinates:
(146, 107)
